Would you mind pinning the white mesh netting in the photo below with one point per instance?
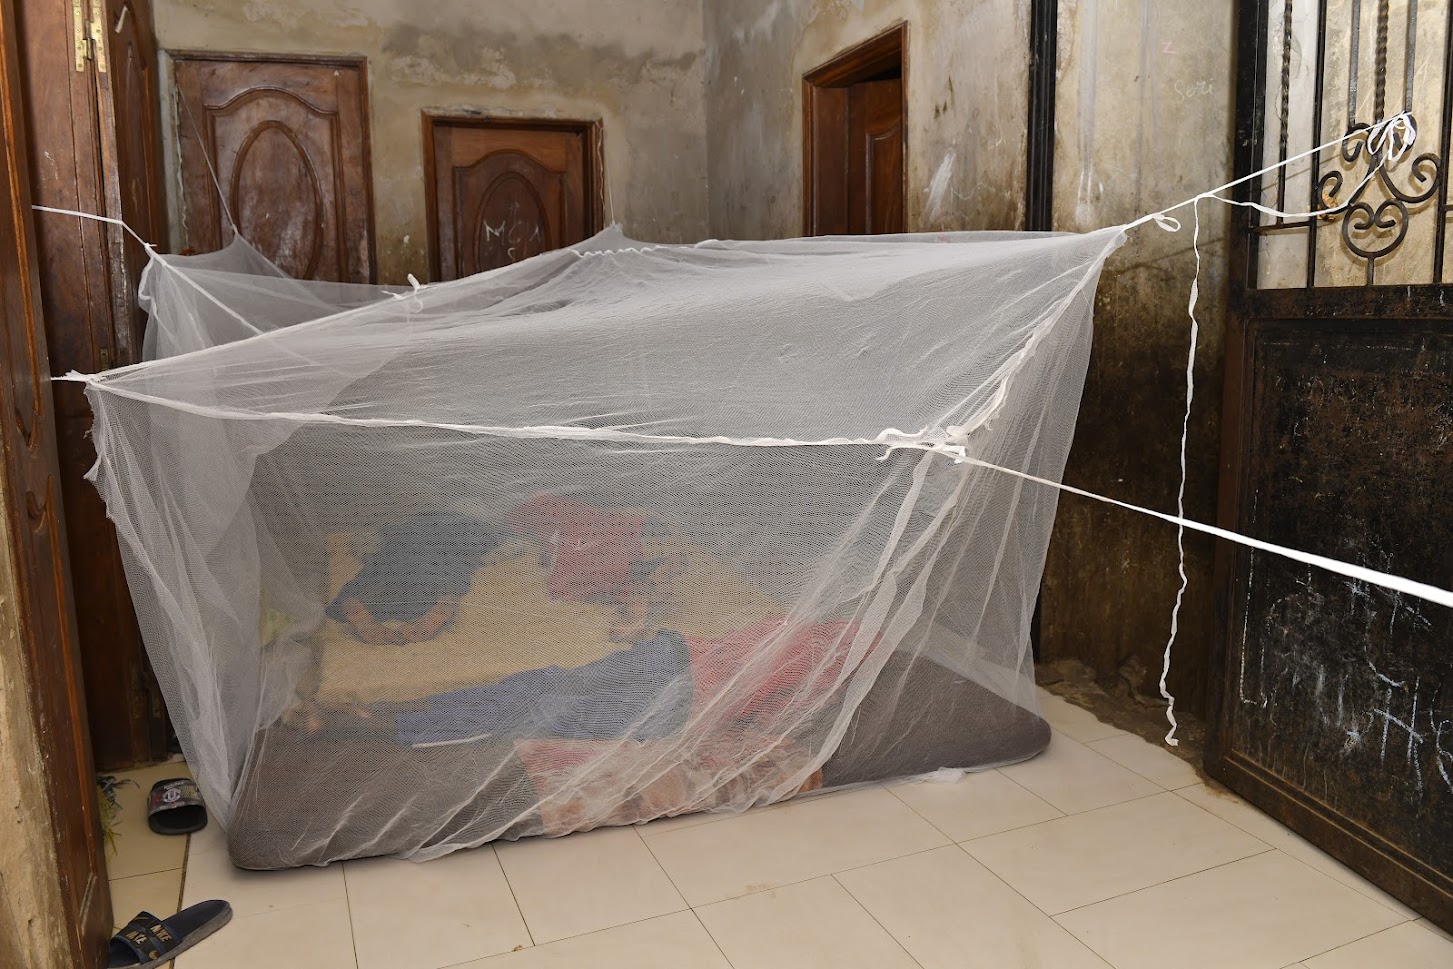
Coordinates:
(614, 533)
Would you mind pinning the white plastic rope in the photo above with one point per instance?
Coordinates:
(1387, 142)
(98, 218)
(207, 157)
(1395, 134)
(1421, 590)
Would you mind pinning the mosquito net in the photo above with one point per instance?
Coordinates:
(617, 532)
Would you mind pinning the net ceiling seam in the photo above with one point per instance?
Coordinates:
(888, 437)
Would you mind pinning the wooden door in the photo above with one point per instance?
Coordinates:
(93, 147)
(289, 141)
(875, 157)
(854, 140)
(505, 190)
(36, 526)
(1332, 701)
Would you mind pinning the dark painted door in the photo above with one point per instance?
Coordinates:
(289, 140)
(35, 521)
(1332, 700)
(504, 191)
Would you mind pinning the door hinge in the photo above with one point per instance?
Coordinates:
(88, 35)
(98, 34)
(80, 34)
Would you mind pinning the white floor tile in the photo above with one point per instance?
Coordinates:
(668, 942)
(811, 925)
(1073, 778)
(1406, 946)
(586, 882)
(430, 915)
(790, 843)
(950, 912)
(139, 850)
(210, 874)
(1263, 912)
(1086, 858)
(1151, 761)
(158, 893)
(1247, 817)
(681, 821)
(978, 804)
(1074, 722)
(303, 937)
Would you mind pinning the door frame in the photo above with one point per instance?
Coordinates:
(592, 131)
(858, 63)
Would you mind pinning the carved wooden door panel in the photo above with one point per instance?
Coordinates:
(289, 140)
(36, 545)
(502, 191)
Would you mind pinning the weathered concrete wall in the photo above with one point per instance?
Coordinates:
(637, 67)
(967, 75)
(1143, 120)
(30, 890)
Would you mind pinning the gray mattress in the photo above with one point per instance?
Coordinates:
(311, 800)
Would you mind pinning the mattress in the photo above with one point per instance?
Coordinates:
(313, 800)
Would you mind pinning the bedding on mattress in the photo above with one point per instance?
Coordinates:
(508, 621)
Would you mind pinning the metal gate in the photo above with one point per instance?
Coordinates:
(1332, 707)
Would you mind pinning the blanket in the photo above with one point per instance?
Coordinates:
(508, 621)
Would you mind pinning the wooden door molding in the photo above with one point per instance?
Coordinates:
(258, 115)
(451, 253)
(37, 532)
(826, 110)
(131, 159)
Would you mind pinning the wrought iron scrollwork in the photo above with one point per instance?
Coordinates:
(1372, 228)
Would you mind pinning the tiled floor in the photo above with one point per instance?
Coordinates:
(145, 868)
(1105, 853)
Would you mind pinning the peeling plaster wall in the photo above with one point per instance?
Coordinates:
(636, 66)
(1143, 120)
(967, 65)
(30, 889)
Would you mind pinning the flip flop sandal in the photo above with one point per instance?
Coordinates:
(147, 941)
(175, 807)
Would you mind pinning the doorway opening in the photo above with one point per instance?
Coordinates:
(855, 139)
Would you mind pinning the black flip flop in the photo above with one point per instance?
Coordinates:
(175, 807)
(147, 941)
